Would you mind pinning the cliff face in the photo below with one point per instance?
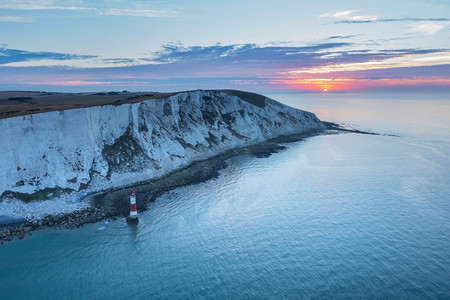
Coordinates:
(99, 147)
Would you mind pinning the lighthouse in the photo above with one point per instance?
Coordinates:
(132, 218)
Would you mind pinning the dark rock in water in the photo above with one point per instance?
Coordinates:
(21, 234)
(131, 220)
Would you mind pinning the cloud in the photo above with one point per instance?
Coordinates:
(428, 28)
(22, 58)
(399, 61)
(102, 8)
(242, 66)
(335, 37)
(243, 52)
(348, 15)
(15, 19)
(178, 52)
(8, 56)
(150, 13)
(229, 58)
(386, 20)
(330, 56)
(82, 62)
(40, 5)
(256, 58)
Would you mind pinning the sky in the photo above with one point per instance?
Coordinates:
(256, 45)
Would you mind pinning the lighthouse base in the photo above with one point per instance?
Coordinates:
(132, 220)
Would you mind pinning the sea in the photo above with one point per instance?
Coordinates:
(347, 216)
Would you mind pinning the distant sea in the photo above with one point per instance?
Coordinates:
(338, 216)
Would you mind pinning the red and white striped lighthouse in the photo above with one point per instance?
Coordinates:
(133, 218)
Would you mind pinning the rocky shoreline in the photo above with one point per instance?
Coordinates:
(114, 203)
(57, 221)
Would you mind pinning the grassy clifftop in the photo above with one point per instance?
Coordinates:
(20, 103)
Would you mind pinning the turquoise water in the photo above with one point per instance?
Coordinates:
(344, 216)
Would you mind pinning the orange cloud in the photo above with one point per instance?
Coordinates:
(401, 61)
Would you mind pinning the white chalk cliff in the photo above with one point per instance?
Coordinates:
(95, 148)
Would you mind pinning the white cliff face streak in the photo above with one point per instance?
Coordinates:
(95, 148)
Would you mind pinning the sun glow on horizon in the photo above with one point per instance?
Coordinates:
(347, 84)
(319, 84)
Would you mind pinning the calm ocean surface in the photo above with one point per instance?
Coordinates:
(343, 216)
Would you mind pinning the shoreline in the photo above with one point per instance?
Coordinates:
(114, 203)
